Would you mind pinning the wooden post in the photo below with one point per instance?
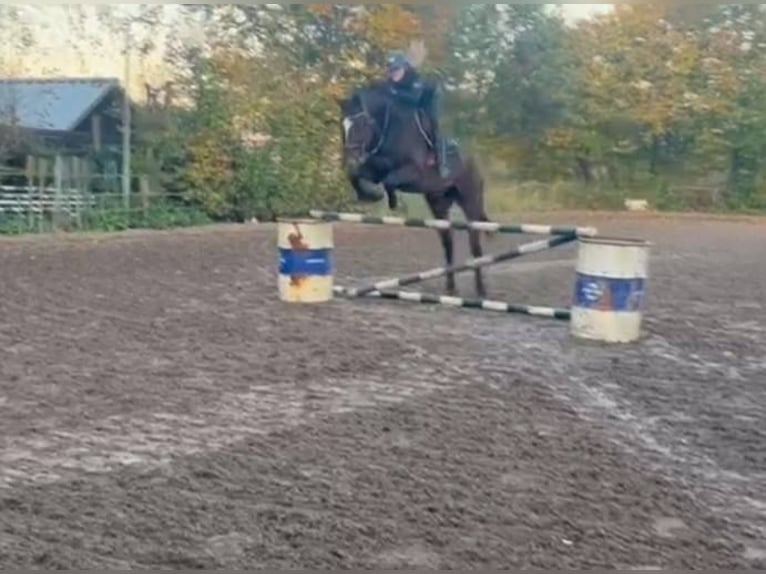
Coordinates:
(42, 173)
(77, 189)
(96, 131)
(85, 175)
(58, 182)
(144, 181)
(29, 174)
(126, 119)
(68, 189)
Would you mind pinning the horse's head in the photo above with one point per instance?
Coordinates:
(364, 116)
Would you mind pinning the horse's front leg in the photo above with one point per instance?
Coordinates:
(393, 201)
(365, 189)
(407, 178)
(400, 178)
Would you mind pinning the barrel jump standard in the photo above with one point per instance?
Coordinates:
(609, 290)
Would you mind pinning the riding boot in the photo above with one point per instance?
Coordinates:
(440, 144)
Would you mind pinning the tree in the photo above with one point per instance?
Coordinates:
(261, 143)
(734, 37)
(534, 85)
(18, 39)
(638, 69)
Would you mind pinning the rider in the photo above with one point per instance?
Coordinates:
(405, 84)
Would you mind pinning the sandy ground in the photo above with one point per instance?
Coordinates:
(160, 408)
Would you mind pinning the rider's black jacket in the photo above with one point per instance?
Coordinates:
(414, 90)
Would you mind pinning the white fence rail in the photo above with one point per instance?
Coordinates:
(22, 200)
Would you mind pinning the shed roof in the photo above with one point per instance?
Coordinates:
(58, 104)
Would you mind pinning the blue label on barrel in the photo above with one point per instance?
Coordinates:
(608, 294)
(305, 262)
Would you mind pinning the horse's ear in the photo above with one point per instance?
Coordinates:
(340, 101)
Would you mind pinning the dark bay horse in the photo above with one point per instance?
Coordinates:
(390, 143)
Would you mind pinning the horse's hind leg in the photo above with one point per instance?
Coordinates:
(439, 207)
(474, 238)
(448, 245)
(471, 201)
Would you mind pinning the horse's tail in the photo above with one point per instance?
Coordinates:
(477, 186)
(480, 183)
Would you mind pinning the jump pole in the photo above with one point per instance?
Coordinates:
(468, 265)
(486, 226)
(460, 302)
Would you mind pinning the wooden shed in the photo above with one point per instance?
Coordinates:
(59, 130)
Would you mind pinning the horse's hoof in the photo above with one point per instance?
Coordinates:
(368, 198)
(393, 200)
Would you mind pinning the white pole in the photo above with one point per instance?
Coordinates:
(126, 125)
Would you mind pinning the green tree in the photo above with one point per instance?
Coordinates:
(534, 91)
(638, 71)
(734, 39)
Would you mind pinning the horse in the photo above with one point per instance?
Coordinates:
(391, 143)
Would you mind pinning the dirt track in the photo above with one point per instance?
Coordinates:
(159, 408)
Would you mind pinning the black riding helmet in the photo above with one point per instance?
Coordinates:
(398, 61)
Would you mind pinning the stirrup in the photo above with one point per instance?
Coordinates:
(443, 168)
(442, 162)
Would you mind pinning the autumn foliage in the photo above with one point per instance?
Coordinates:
(630, 102)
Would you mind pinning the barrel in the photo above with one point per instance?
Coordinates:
(305, 260)
(610, 286)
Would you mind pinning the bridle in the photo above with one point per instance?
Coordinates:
(365, 113)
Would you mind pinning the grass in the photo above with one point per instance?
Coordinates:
(506, 198)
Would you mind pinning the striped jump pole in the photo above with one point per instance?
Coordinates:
(487, 226)
(483, 304)
(468, 265)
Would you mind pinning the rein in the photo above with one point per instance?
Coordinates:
(383, 132)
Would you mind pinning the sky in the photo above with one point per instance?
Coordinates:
(105, 56)
(577, 11)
